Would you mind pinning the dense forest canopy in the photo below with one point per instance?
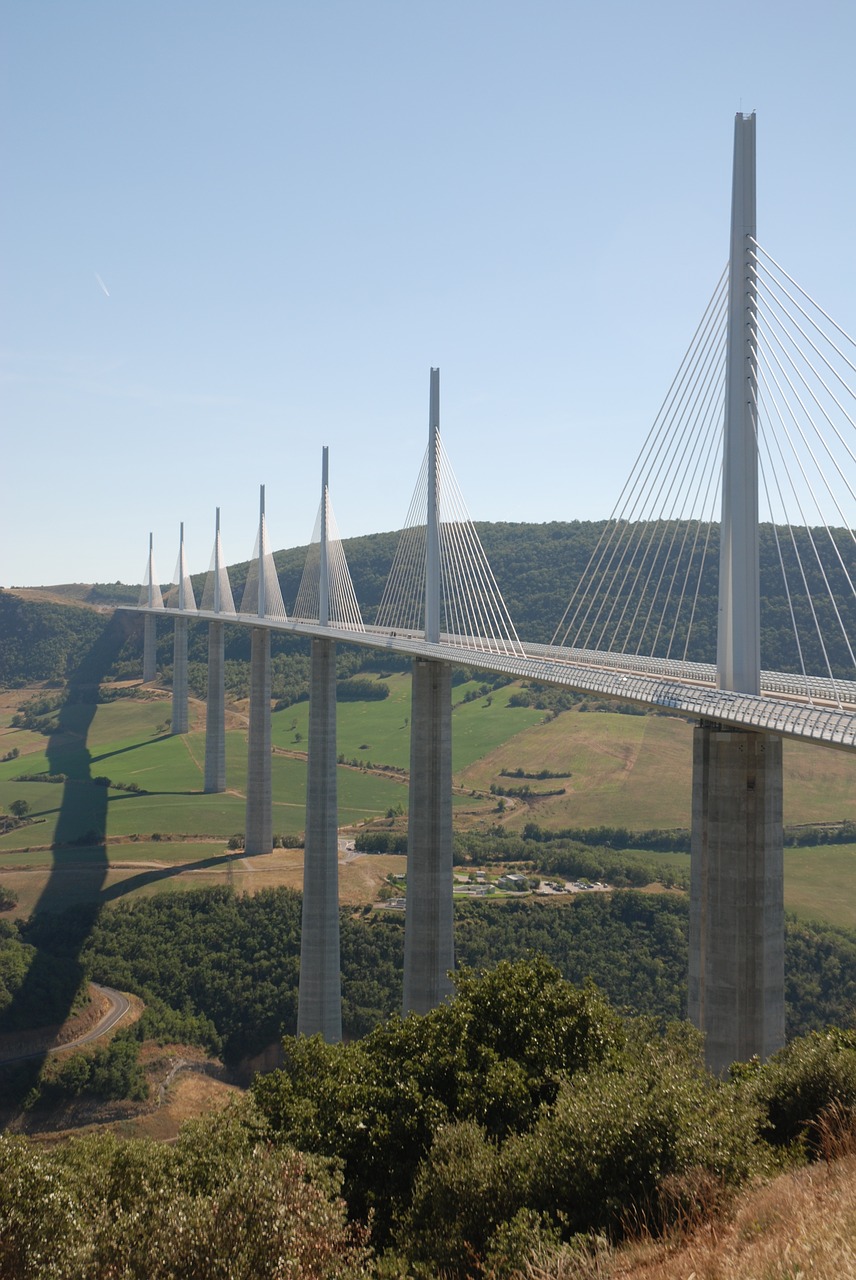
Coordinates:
(221, 969)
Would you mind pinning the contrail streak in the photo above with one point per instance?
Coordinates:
(103, 285)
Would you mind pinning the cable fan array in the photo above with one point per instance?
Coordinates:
(807, 447)
(151, 596)
(473, 613)
(641, 588)
(650, 585)
(342, 608)
(180, 594)
(217, 592)
(262, 595)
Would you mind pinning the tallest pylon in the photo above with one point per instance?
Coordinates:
(736, 951)
(738, 636)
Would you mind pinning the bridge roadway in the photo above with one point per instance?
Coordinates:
(790, 705)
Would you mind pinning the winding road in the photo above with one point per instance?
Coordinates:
(120, 1005)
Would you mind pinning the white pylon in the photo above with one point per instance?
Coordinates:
(738, 656)
(262, 595)
(150, 594)
(433, 584)
(181, 594)
(324, 546)
(217, 593)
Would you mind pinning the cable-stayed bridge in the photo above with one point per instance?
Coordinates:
(758, 428)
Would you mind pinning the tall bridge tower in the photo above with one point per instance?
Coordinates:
(429, 948)
(736, 966)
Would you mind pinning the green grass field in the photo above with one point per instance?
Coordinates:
(820, 883)
(380, 731)
(636, 772)
(631, 771)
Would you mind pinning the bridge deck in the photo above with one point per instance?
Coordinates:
(789, 705)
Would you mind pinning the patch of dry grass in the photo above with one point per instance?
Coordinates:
(803, 1224)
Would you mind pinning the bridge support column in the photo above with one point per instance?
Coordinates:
(150, 648)
(429, 951)
(258, 837)
(319, 1008)
(180, 722)
(736, 968)
(215, 717)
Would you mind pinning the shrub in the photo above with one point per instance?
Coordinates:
(492, 1057)
(111, 1072)
(800, 1084)
(456, 1204)
(606, 1155)
(361, 690)
(219, 1203)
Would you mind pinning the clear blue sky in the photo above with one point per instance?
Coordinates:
(298, 208)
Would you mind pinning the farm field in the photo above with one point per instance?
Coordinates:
(820, 883)
(636, 772)
(622, 770)
(380, 731)
(55, 882)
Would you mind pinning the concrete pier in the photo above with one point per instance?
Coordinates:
(150, 652)
(180, 721)
(320, 997)
(429, 952)
(258, 836)
(736, 968)
(215, 719)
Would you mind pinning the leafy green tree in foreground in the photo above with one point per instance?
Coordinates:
(523, 1095)
(493, 1056)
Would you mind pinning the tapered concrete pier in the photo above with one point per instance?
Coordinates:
(320, 998)
(215, 717)
(183, 599)
(150, 648)
(216, 596)
(180, 720)
(429, 952)
(736, 979)
(258, 836)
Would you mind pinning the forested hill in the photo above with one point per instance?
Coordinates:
(536, 566)
(43, 641)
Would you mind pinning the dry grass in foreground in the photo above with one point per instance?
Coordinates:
(801, 1225)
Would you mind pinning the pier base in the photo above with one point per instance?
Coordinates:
(180, 722)
(215, 718)
(319, 1009)
(258, 837)
(429, 952)
(736, 967)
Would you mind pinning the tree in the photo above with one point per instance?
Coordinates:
(19, 808)
(492, 1056)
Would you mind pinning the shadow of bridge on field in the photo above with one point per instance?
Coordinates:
(53, 981)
